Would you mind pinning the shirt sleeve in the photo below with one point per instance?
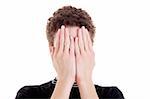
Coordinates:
(116, 93)
(109, 93)
(43, 91)
(23, 93)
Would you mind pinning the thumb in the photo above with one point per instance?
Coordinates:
(51, 51)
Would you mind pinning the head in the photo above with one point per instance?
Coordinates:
(72, 18)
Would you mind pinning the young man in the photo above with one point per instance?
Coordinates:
(70, 33)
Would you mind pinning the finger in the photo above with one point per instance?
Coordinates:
(77, 51)
(56, 42)
(52, 53)
(89, 39)
(67, 40)
(61, 40)
(71, 45)
(52, 50)
(81, 46)
(85, 43)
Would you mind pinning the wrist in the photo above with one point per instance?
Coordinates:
(62, 88)
(84, 79)
(87, 89)
(66, 80)
(64, 84)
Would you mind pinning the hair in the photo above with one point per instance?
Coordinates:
(69, 16)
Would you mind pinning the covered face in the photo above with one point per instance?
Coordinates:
(72, 32)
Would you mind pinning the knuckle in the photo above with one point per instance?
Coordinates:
(54, 55)
(92, 52)
(67, 44)
(71, 54)
(65, 52)
(59, 54)
(83, 53)
(78, 58)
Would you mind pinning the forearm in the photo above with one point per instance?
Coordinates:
(62, 89)
(87, 90)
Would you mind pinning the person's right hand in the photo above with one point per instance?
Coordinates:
(63, 57)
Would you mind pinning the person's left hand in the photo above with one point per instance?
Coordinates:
(85, 57)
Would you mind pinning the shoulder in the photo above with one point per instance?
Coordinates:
(109, 92)
(34, 91)
(26, 91)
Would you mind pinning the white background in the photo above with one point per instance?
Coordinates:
(122, 44)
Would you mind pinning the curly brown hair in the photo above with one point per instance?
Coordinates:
(69, 16)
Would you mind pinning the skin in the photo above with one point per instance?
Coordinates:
(73, 59)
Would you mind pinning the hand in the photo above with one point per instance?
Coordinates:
(85, 57)
(63, 56)
(70, 63)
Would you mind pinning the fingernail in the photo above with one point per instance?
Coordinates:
(76, 38)
(83, 27)
(86, 30)
(62, 26)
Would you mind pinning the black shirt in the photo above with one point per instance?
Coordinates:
(44, 91)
